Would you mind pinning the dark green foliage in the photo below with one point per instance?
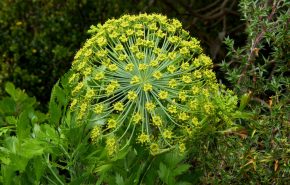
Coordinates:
(40, 37)
(259, 72)
(20, 151)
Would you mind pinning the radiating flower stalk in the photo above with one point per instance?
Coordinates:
(142, 79)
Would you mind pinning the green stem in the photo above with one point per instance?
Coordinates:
(53, 173)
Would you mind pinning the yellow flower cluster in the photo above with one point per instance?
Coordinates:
(143, 74)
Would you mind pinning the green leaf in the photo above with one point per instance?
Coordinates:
(119, 179)
(16, 94)
(23, 125)
(7, 106)
(31, 148)
(104, 168)
(11, 120)
(3, 130)
(10, 89)
(165, 174)
(57, 103)
(244, 101)
(181, 169)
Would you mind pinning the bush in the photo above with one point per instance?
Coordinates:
(259, 72)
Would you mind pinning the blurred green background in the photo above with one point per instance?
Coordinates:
(40, 37)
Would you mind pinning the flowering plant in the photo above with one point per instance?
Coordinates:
(143, 79)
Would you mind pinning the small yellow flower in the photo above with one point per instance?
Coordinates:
(140, 55)
(209, 108)
(176, 23)
(113, 35)
(88, 53)
(161, 57)
(119, 106)
(172, 83)
(136, 118)
(99, 108)
(194, 121)
(163, 94)
(184, 51)
(209, 74)
(122, 57)
(186, 79)
(181, 147)
(185, 66)
(81, 65)
(102, 41)
(99, 75)
(113, 67)
(111, 146)
(77, 88)
(119, 47)
(130, 32)
(147, 87)
(149, 106)
(135, 79)
(172, 55)
(154, 148)
(172, 109)
(134, 48)
(101, 53)
(138, 26)
(132, 95)
(124, 24)
(110, 89)
(106, 62)
(154, 63)
(171, 68)
(157, 75)
(157, 50)
(112, 123)
(73, 103)
(123, 38)
(87, 71)
(90, 93)
(173, 39)
(140, 33)
(115, 83)
(197, 74)
(182, 95)
(143, 138)
(72, 78)
(142, 67)
(152, 27)
(129, 67)
(96, 132)
(160, 34)
(167, 134)
(183, 116)
(195, 90)
(193, 104)
(157, 121)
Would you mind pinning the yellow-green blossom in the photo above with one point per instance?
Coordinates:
(143, 138)
(150, 106)
(119, 106)
(132, 95)
(163, 94)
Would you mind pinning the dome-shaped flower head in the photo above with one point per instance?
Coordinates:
(142, 79)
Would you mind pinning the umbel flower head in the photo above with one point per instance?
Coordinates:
(142, 79)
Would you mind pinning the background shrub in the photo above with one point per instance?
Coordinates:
(39, 37)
